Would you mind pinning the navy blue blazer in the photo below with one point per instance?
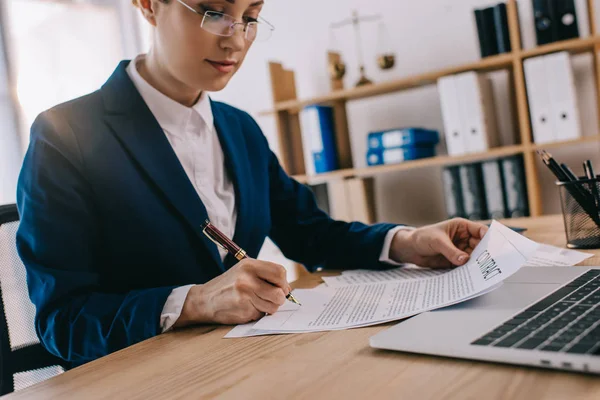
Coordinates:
(110, 223)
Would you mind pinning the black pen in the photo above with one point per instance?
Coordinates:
(553, 166)
(581, 196)
(573, 178)
(570, 174)
(589, 171)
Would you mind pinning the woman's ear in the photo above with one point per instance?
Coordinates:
(148, 8)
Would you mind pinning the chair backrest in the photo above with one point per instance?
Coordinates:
(23, 360)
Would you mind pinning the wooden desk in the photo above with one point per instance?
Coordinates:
(199, 363)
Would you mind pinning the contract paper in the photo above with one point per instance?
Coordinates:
(396, 274)
(286, 310)
(544, 256)
(499, 255)
(551, 256)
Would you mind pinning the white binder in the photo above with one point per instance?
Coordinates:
(478, 114)
(451, 114)
(538, 96)
(563, 97)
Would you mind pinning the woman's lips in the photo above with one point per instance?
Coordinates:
(224, 67)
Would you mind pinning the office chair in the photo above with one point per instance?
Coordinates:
(23, 360)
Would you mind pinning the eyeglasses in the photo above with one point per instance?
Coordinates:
(221, 24)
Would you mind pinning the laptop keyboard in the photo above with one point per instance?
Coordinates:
(567, 320)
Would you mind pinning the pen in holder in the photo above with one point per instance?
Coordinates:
(580, 201)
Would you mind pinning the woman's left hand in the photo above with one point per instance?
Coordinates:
(442, 245)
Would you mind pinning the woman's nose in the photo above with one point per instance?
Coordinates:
(237, 41)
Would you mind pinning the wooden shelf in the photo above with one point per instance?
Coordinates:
(439, 161)
(501, 61)
(408, 165)
(346, 181)
(487, 64)
(504, 151)
(573, 46)
(585, 139)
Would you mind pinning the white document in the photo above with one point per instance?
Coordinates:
(246, 330)
(544, 256)
(500, 254)
(356, 277)
(551, 256)
(452, 116)
(310, 297)
(563, 97)
(538, 96)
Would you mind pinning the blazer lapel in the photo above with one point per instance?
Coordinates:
(141, 135)
(236, 161)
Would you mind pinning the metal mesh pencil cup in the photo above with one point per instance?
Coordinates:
(580, 202)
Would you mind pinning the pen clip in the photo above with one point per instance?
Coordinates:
(208, 235)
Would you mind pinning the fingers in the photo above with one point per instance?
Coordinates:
(445, 247)
(270, 293)
(475, 229)
(467, 244)
(436, 262)
(263, 306)
(473, 242)
(256, 295)
(273, 273)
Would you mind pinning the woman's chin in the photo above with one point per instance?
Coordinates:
(216, 85)
(216, 82)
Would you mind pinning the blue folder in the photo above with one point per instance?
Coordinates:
(403, 137)
(319, 128)
(397, 155)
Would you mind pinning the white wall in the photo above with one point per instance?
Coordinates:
(426, 35)
(51, 65)
(10, 150)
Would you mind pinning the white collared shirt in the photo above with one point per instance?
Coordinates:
(193, 136)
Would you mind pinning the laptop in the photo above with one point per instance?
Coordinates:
(541, 316)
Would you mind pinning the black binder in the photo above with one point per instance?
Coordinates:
(471, 181)
(501, 27)
(544, 21)
(515, 186)
(566, 19)
(493, 183)
(488, 44)
(453, 192)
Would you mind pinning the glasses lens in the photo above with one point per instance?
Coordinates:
(218, 23)
(258, 32)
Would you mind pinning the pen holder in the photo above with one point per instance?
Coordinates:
(580, 204)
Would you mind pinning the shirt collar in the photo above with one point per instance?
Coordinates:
(171, 115)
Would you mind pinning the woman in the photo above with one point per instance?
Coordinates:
(116, 185)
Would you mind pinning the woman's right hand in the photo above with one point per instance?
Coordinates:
(242, 294)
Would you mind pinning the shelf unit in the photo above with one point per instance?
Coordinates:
(287, 107)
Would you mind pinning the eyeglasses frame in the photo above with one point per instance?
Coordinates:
(232, 27)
